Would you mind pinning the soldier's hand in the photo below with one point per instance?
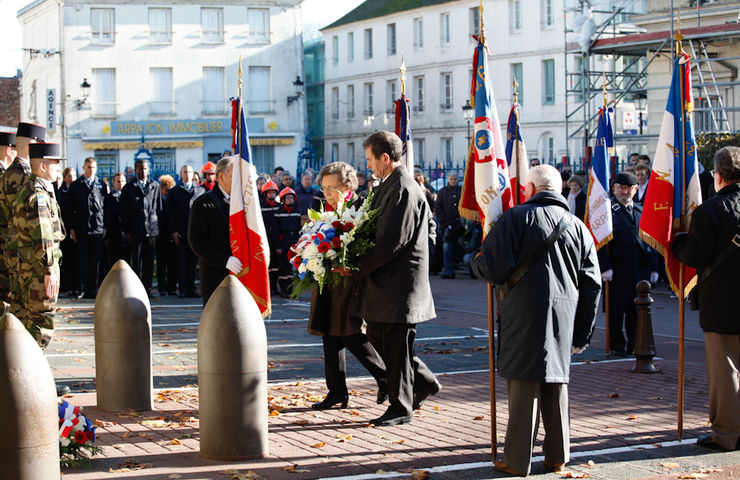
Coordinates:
(51, 285)
(176, 238)
(653, 277)
(72, 235)
(608, 275)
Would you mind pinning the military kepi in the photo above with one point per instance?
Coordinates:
(7, 139)
(31, 130)
(44, 150)
(626, 178)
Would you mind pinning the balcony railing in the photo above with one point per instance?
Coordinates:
(261, 106)
(162, 107)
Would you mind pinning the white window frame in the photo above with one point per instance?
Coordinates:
(351, 153)
(103, 29)
(159, 104)
(350, 47)
(419, 91)
(419, 150)
(259, 103)
(160, 35)
(517, 69)
(444, 29)
(474, 17)
(350, 101)
(548, 84)
(335, 50)
(547, 13)
(207, 33)
(446, 93)
(515, 15)
(391, 88)
(335, 103)
(368, 44)
(334, 152)
(391, 38)
(369, 99)
(418, 33)
(445, 147)
(259, 34)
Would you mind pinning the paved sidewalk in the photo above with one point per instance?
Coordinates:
(612, 410)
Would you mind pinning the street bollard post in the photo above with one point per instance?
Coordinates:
(644, 342)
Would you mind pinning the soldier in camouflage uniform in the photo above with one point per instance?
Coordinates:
(12, 178)
(7, 155)
(38, 227)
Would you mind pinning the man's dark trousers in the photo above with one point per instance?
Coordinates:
(187, 262)
(405, 373)
(142, 260)
(90, 253)
(335, 363)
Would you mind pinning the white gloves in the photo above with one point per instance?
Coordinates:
(577, 350)
(234, 265)
(608, 275)
(653, 277)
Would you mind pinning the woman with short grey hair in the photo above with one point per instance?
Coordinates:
(346, 174)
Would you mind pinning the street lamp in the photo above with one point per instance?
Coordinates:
(298, 84)
(468, 115)
(85, 86)
(640, 102)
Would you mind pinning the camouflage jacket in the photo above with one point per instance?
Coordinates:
(10, 181)
(38, 226)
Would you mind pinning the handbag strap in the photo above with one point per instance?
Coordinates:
(522, 269)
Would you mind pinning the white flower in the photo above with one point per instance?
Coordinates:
(331, 254)
(310, 250)
(64, 441)
(302, 268)
(314, 264)
(345, 237)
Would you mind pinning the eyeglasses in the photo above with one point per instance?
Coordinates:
(713, 172)
(333, 189)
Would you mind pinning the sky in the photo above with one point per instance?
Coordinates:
(316, 14)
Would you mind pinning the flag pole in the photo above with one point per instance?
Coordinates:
(515, 85)
(403, 77)
(681, 228)
(607, 283)
(491, 325)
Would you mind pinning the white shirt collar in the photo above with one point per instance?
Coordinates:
(227, 197)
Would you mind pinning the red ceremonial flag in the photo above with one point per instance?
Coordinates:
(673, 191)
(246, 228)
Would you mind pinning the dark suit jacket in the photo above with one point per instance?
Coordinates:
(581, 205)
(179, 202)
(140, 210)
(208, 235)
(86, 205)
(394, 275)
(112, 220)
(629, 257)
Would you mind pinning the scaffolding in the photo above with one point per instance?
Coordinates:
(619, 53)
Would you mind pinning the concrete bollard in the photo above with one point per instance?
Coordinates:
(232, 375)
(123, 342)
(644, 341)
(29, 445)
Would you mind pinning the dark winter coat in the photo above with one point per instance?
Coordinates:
(140, 209)
(553, 307)
(208, 235)
(714, 224)
(86, 205)
(445, 208)
(179, 201)
(305, 198)
(112, 220)
(628, 256)
(394, 274)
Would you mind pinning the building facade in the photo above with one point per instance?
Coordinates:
(363, 56)
(112, 78)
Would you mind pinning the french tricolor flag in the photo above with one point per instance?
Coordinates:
(246, 229)
(598, 203)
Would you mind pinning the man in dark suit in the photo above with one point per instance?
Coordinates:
(85, 199)
(624, 261)
(208, 232)
(642, 172)
(141, 204)
(179, 201)
(114, 238)
(394, 293)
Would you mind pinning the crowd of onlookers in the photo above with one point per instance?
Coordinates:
(145, 220)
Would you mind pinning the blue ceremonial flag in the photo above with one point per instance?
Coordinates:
(673, 191)
(598, 203)
(516, 154)
(403, 130)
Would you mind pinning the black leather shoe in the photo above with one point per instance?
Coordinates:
(707, 442)
(331, 400)
(62, 390)
(382, 395)
(78, 295)
(421, 395)
(390, 418)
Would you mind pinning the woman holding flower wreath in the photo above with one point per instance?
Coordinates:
(330, 317)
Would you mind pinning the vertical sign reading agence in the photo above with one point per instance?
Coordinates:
(51, 109)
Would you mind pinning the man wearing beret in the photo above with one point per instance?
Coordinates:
(7, 155)
(11, 180)
(625, 261)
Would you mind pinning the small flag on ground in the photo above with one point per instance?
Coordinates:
(486, 191)
(673, 190)
(598, 202)
(246, 229)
